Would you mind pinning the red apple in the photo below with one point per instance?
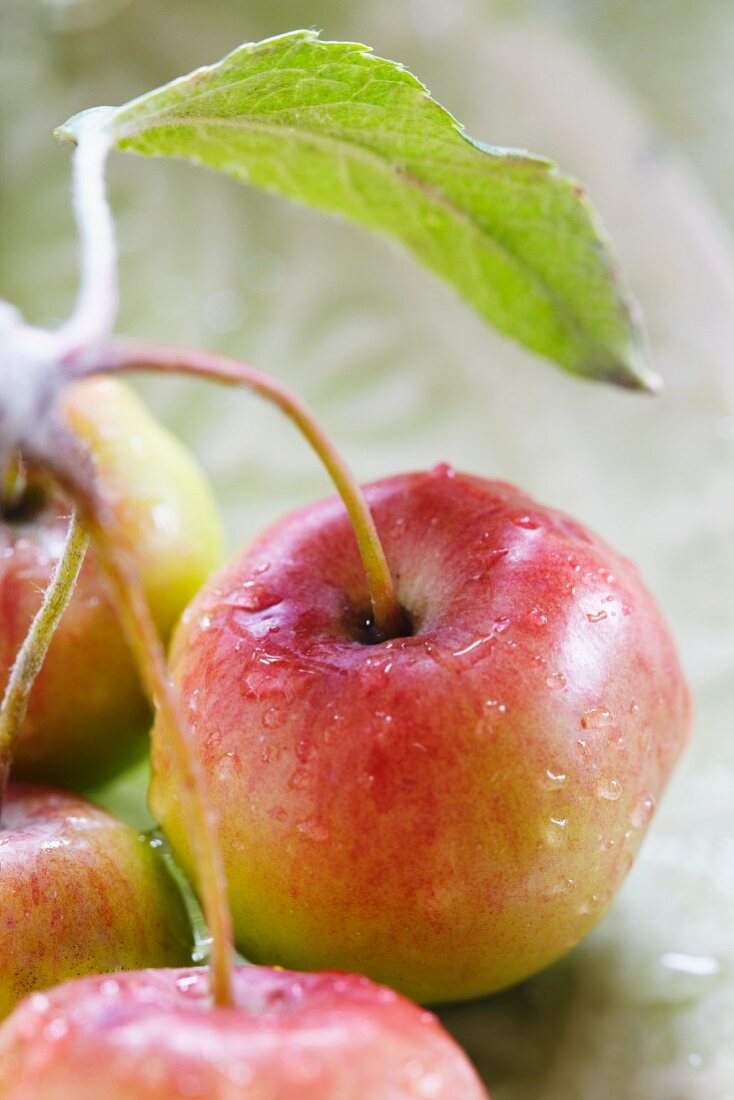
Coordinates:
(87, 715)
(154, 1035)
(450, 811)
(80, 893)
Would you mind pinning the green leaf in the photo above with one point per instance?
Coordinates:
(330, 125)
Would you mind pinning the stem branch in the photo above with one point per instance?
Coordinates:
(118, 560)
(121, 355)
(37, 641)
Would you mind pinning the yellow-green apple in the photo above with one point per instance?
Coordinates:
(80, 893)
(449, 811)
(155, 1035)
(87, 714)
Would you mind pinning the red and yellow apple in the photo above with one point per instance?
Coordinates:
(87, 715)
(155, 1035)
(80, 893)
(450, 811)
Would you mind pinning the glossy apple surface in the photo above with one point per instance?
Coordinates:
(87, 715)
(154, 1035)
(80, 893)
(447, 812)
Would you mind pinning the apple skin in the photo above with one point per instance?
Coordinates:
(80, 893)
(447, 812)
(154, 1035)
(87, 716)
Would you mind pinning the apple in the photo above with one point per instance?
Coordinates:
(80, 892)
(451, 810)
(154, 1035)
(87, 714)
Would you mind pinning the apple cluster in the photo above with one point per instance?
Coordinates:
(405, 745)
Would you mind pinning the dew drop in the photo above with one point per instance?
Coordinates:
(598, 617)
(253, 596)
(299, 780)
(496, 556)
(274, 717)
(556, 681)
(501, 624)
(538, 617)
(187, 983)
(313, 829)
(589, 905)
(643, 811)
(442, 469)
(556, 834)
(555, 780)
(56, 1029)
(609, 788)
(596, 718)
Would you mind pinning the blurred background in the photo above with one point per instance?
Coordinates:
(635, 97)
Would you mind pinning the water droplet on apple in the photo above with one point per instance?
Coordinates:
(609, 788)
(205, 622)
(596, 718)
(56, 1030)
(240, 1074)
(526, 522)
(501, 624)
(40, 1003)
(537, 617)
(471, 646)
(634, 708)
(554, 779)
(274, 716)
(190, 981)
(643, 811)
(495, 556)
(556, 834)
(589, 906)
(556, 681)
(598, 617)
(313, 829)
(442, 469)
(494, 704)
(300, 779)
(563, 885)
(253, 596)
(429, 1086)
(229, 766)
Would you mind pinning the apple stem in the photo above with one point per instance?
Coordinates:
(119, 563)
(121, 355)
(37, 641)
(95, 309)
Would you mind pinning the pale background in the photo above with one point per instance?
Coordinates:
(636, 97)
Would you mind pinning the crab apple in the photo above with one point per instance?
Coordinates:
(155, 1034)
(80, 893)
(87, 715)
(448, 811)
